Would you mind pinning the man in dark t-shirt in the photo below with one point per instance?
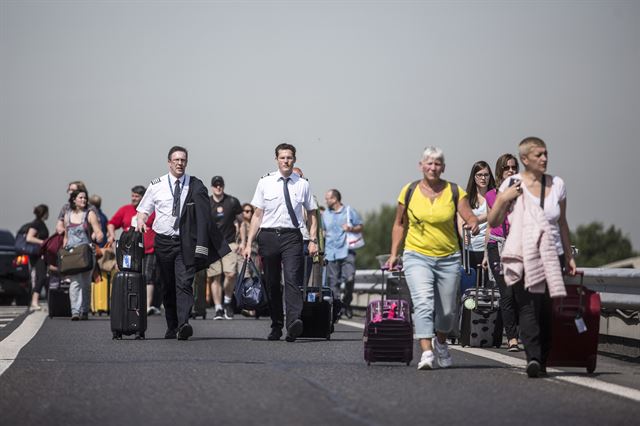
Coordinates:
(226, 212)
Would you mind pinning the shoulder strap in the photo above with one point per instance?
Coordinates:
(543, 182)
(407, 197)
(455, 196)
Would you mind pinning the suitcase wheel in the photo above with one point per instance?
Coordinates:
(139, 336)
(329, 336)
(117, 336)
(204, 316)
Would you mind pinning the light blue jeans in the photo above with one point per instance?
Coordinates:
(80, 292)
(433, 282)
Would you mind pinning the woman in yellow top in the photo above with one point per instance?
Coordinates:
(431, 255)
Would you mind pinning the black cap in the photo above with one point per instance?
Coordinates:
(217, 180)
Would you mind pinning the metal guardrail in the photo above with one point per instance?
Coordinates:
(619, 288)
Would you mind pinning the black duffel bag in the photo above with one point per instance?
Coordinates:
(250, 292)
(130, 251)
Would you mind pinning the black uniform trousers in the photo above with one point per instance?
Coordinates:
(177, 281)
(535, 316)
(282, 254)
(508, 307)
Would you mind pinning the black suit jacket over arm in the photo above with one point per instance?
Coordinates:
(202, 243)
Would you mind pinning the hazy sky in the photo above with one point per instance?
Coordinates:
(100, 91)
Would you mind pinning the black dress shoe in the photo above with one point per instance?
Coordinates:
(170, 334)
(294, 330)
(533, 369)
(185, 331)
(275, 334)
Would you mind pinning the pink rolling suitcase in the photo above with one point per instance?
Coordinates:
(388, 332)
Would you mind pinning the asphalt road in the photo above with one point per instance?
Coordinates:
(72, 373)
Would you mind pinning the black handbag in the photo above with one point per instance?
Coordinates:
(23, 247)
(74, 260)
(250, 293)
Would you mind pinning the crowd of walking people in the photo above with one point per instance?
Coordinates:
(283, 228)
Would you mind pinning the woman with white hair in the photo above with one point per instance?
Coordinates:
(426, 213)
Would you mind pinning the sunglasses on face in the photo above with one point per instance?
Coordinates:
(514, 168)
(247, 211)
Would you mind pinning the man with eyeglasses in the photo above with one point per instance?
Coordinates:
(186, 240)
(226, 213)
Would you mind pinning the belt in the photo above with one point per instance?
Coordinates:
(280, 230)
(169, 237)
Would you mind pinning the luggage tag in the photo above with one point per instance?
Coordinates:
(580, 325)
(311, 297)
(126, 261)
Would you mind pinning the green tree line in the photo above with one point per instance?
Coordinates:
(596, 245)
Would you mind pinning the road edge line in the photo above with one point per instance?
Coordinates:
(588, 382)
(11, 346)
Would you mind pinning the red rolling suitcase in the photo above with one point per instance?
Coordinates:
(388, 332)
(572, 345)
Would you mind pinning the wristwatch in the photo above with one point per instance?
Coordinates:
(313, 241)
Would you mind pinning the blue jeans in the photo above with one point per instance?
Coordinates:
(433, 282)
(80, 292)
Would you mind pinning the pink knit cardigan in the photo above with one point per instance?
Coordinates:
(529, 251)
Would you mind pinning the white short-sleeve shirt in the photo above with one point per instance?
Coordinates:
(552, 199)
(269, 197)
(159, 198)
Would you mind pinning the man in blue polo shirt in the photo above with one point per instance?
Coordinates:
(338, 220)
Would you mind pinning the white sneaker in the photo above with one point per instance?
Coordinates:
(442, 353)
(426, 361)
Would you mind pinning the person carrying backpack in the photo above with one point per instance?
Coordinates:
(35, 233)
(426, 215)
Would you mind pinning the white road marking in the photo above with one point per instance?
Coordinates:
(13, 343)
(580, 380)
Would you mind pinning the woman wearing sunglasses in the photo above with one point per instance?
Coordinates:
(506, 166)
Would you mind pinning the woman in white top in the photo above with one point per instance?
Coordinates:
(535, 309)
(480, 181)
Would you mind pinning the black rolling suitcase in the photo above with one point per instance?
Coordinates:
(130, 251)
(481, 323)
(317, 308)
(58, 296)
(128, 305)
(200, 295)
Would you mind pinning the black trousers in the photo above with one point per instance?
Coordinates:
(282, 254)
(535, 321)
(475, 259)
(508, 306)
(177, 281)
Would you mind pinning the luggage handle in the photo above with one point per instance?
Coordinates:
(385, 287)
(480, 280)
(581, 292)
(466, 252)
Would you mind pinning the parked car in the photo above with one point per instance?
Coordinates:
(15, 272)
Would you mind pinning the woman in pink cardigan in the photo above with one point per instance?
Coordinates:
(548, 192)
